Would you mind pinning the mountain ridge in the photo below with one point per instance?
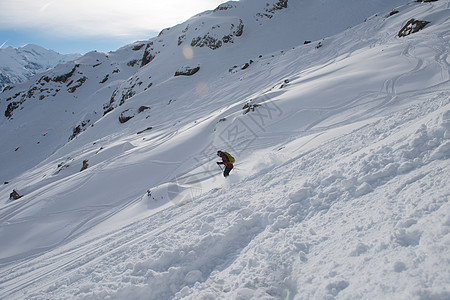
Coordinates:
(19, 64)
(340, 187)
(208, 27)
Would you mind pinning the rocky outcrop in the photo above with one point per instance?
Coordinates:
(270, 10)
(19, 64)
(121, 97)
(249, 107)
(79, 129)
(126, 115)
(146, 129)
(4, 81)
(224, 6)
(412, 26)
(85, 165)
(130, 113)
(217, 36)
(244, 66)
(78, 84)
(61, 78)
(41, 90)
(187, 71)
(149, 54)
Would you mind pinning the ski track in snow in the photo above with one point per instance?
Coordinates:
(341, 197)
(225, 240)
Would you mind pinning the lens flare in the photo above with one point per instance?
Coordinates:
(202, 89)
(188, 52)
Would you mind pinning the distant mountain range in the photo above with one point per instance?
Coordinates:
(19, 64)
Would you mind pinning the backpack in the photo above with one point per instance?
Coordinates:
(230, 158)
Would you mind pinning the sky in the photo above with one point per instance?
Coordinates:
(80, 26)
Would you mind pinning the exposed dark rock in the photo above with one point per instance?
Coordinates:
(61, 166)
(127, 94)
(65, 77)
(246, 65)
(187, 71)
(109, 107)
(148, 54)
(142, 131)
(31, 91)
(10, 108)
(133, 62)
(7, 88)
(181, 39)
(224, 6)
(138, 47)
(44, 78)
(239, 29)
(126, 115)
(412, 26)
(285, 83)
(163, 31)
(208, 41)
(214, 41)
(270, 10)
(5, 81)
(142, 108)
(79, 129)
(85, 165)
(233, 69)
(105, 79)
(250, 107)
(130, 113)
(394, 12)
(79, 84)
(281, 4)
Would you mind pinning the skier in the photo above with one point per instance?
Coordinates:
(227, 160)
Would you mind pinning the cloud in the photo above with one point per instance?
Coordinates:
(99, 17)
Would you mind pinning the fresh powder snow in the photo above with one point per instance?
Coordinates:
(338, 116)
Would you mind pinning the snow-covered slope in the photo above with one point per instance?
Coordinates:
(19, 64)
(341, 182)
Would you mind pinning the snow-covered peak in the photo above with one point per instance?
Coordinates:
(19, 64)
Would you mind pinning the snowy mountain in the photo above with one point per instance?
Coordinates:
(19, 64)
(338, 116)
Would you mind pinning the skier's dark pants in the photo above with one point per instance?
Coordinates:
(227, 172)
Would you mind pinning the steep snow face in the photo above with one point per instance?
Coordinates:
(19, 64)
(229, 38)
(43, 114)
(340, 189)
